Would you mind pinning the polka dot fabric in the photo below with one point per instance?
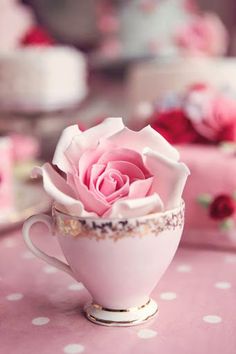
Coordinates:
(40, 308)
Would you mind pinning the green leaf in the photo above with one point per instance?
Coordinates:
(227, 224)
(228, 146)
(234, 195)
(204, 200)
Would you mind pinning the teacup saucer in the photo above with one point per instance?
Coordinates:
(121, 317)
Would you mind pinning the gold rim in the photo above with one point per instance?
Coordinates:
(115, 323)
(130, 309)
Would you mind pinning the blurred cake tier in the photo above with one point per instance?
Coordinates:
(210, 195)
(153, 80)
(144, 28)
(42, 78)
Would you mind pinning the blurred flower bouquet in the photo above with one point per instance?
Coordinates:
(202, 114)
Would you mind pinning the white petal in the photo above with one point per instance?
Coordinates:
(169, 177)
(59, 190)
(89, 139)
(135, 207)
(66, 137)
(147, 137)
(105, 129)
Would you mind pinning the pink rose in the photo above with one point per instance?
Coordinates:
(111, 171)
(205, 34)
(212, 113)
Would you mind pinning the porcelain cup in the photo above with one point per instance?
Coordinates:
(119, 261)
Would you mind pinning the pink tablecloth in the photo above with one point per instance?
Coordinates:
(40, 308)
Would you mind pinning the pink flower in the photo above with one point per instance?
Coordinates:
(111, 171)
(212, 113)
(206, 34)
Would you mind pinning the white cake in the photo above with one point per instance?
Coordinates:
(41, 78)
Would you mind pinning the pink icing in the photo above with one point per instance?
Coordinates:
(6, 175)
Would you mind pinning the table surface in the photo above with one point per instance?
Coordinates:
(40, 307)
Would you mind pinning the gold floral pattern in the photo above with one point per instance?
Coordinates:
(100, 229)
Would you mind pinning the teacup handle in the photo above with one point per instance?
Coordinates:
(47, 220)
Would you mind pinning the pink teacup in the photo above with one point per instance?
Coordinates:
(119, 261)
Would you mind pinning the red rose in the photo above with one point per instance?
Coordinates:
(175, 126)
(37, 36)
(228, 133)
(222, 207)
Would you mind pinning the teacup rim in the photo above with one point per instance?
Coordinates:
(117, 219)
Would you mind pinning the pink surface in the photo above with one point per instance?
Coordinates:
(198, 283)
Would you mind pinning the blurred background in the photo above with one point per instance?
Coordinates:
(167, 63)
(68, 62)
(114, 36)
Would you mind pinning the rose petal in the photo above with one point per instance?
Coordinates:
(87, 161)
(90, 200)
(135, 207)
(95, 171)
(147, 137)
(169, 177)
(122, 188)
(59, 190)
(127, 168)
(89, 139)
(140, 188)
(107, 185)
(123, 154)
(59, 158)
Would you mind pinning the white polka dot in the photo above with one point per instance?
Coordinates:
(28, 255)
(76, 286)
(212, 319)
(50, 269)
(14, 297)
(40, 321)
(230, 259)
(146, 333)
(73, 349)
(223, 285)
(184, 268)
(168, 296)
(9, 243)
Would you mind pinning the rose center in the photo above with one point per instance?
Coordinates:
(110, 182)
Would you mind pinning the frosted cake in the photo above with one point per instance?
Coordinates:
(41, 78)
(201, 122)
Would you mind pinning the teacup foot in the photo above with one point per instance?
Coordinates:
(121, 318)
